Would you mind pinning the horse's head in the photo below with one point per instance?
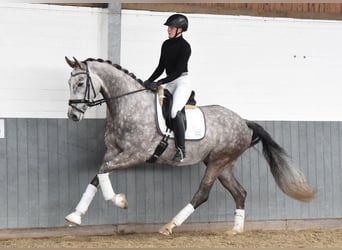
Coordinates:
(84, 87)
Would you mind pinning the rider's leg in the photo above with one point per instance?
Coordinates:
(181, 93)
(178, 124)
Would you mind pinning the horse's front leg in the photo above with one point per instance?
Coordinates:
(108, 192)
(123, 160)
(75, 218)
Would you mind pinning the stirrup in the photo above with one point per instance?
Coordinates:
(179, 156)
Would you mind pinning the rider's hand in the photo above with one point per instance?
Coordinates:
(151, 85)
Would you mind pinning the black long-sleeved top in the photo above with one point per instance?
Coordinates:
(174, 57)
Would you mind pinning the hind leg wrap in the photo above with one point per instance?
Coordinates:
(177, 220)
(239, 220)
(183, 215)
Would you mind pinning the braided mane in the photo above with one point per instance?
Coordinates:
(117, 66)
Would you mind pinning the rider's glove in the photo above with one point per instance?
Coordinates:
(151, 85)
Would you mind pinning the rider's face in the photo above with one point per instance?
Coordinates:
(172, 31)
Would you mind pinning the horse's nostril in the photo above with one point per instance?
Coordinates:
(74, 117)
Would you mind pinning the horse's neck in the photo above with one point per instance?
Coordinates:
(114, 82)
(118, 88)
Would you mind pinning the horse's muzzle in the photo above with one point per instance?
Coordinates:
(74, 115)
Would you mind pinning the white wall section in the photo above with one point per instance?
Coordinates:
(262, 68)
(33, 42)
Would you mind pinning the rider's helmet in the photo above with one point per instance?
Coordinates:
(178, 21)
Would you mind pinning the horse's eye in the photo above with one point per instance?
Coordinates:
(80, 84)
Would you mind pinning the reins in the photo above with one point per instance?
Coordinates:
(89, 85)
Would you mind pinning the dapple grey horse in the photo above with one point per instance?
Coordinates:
(131, 137)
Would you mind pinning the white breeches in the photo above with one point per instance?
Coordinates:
(181, 89)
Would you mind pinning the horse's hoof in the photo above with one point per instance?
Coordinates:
(73, 219)
(167, 229)
(120, 201)
(70, 224)
(233, 232)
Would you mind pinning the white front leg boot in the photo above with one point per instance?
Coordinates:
(82, 206)
(108, 192)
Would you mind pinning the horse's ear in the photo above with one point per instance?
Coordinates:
(80, 64)
(70, 63)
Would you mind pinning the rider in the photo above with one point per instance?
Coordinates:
(175, 54)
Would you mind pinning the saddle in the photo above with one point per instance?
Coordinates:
(194, 118)
(166, 100)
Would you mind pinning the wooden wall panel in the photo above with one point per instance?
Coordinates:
(295, 10)
(292, 10)
(46, 165)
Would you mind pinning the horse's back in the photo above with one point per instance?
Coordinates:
(226, 127)
(223, 115)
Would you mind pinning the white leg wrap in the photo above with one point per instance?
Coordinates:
(106, 186)
(86, 199)
(239, 220)
(183, 215)
(82, 206)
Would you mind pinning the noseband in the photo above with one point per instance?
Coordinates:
(90, 86)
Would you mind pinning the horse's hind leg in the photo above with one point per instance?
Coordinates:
(75, 217)
(200, 197)
(239, 194)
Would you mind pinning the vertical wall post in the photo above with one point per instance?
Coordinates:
(114, 32)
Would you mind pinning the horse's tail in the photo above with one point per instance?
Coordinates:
(289, 179)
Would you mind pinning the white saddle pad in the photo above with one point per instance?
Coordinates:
(194, 119)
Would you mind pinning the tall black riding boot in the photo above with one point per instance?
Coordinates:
(179, 131)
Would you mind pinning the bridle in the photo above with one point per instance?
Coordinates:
(90, 87)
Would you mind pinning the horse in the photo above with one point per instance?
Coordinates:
(131, 137)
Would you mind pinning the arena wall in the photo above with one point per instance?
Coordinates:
(34, 40)
(279, 72)
(303, 10)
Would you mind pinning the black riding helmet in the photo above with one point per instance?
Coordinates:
(178, 21)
